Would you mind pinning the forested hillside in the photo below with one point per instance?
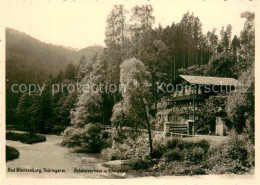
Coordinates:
(29, 60)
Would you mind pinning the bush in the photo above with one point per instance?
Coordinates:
(195, 155)
(185, 144)
(234, 156)
(92, 138)
(181, 144)
(193, 170)
(141, 164)
(72, 136)
(125, 146)
(180, 168)
(171, 144)
(158, 151)
(57, 130)
(25, 138)
(174, 155)
(11, 153)
(203, 144)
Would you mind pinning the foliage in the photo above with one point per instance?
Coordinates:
(89, 108)
(70, 72)
(158, 150)
(11, 153)
(215, 106)
(247, 38)
(122, 116)
(215, 66)
(173, 155)
(179, 168)
(142, 164)
(34, 111)
(64, 105)
(225, 41)
(25, 138)
(234, 156)
(26, 113)
(135, 77)
(43, 108)
(71, 136)
(127, 144)
(115, 27)
(240, 104)
(182, 157)
(30, 61)
(222, 61)
(195, 155)
(91, 138)
(178, 143)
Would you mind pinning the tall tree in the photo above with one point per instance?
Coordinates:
(212, 41)
(70, 72)
(241, 104)
(26, 113)
(44, 109)
(226, 38)
(235, 45)
(115, 28)
(135, 77)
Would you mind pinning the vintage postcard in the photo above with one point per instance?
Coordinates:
(114, 92)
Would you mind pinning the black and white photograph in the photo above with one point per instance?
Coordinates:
(129, 90)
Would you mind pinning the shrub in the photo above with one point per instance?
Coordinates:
(25, 138)
(36, 139)
(11, 153)
(144, 164)
(174, 155)
(181, 144)
(122, 116)
(234, 156)
(72, 136)
(57, 130)
(171, 144)
(92, 138)
(141, 164)
(195, 155)
(193, 170)
(158, 151)
(203, 144)
(185, 144)
(119, 137)
(125, 146)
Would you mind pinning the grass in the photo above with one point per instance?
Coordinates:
(25, 138)
(11, 153)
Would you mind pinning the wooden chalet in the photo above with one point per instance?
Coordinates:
(190, 93)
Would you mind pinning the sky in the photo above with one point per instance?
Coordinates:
(79, 23)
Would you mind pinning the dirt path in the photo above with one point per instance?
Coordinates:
(51, 155)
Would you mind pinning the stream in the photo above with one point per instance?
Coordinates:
(50, 159)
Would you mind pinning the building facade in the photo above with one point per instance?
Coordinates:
(191, 92)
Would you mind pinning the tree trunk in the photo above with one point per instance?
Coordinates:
(174, 68)
(201, 59)
(148, 127)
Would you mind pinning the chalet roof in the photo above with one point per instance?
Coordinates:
(208, 80)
